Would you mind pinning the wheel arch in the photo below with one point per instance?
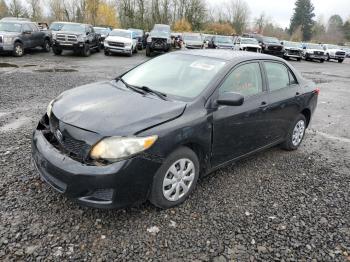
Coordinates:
(307, 113)
(200, 151)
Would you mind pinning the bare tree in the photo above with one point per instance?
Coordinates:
(16, 9)
(238, 14)
(35, 9)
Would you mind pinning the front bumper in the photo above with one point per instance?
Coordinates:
(6, 48)
(68, 45)
(117, 185)
(274, 53)
(317, 57)
(194, 46)
(115, 49)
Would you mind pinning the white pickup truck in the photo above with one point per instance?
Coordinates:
(334, 52)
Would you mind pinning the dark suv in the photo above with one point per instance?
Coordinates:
(270, 45)
(17, 35)
(81, 38)
(141, 38)
(159, 39)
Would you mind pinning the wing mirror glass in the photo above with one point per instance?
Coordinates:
(27, 32)
(230, 99)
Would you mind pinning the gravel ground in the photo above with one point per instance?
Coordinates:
(276, 205)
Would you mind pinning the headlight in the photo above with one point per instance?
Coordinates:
(49, 109)
(105, 43)
(54, 36)
(81, 38)
(168, 41)
(127, 44)
(149, 39)
(8, 40)
(115, 148)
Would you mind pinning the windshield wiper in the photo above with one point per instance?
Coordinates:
(133, 88)
(157, 93)
(143, 90)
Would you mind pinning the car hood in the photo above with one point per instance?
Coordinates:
(118, 39)
(159, 34)
(9, 33)
(225, 45)
(105, 109)
(314, 50)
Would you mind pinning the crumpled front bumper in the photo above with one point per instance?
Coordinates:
(121, 184)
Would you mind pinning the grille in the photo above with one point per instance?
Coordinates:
(293, 52)
(251, 49)
(337, 53)
(0, 39)
(66, 38)
(117, 44)
(66, 142)
(318, 53)
(275, 48)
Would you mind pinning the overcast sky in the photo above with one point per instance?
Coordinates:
(281, 11)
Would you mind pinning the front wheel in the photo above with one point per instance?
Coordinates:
(148, 51)
(46, 46)
(18, 49)
(86, 50)
(296, 134)
(57, 50)
(322, 61)
(176, 179)
(340, 61)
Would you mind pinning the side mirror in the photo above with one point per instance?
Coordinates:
(27, 32)
(230, 99)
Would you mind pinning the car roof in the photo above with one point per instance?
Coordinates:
(229, 55)
(17, 21)
(122, 30)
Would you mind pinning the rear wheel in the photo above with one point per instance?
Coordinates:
(296, 134)
(176, 178)
(18, 49)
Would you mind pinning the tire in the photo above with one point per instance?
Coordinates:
(295, 134)
(166, 196)
(57, 50)
(86, 50)
(130, 53)
(18, 49)
(46, 46)
(148, 51)
(328, 58)
(107, 53)
(322, 61)
(340, 61)
(135, 51)
(98, 47)
(299, 59)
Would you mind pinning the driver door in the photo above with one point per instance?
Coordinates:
(239, 130)
(27, 36)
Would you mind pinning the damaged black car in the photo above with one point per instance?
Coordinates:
(149, 136)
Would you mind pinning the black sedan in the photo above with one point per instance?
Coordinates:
(150, 133)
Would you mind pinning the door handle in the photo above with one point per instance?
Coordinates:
(263, 104)
(297, 94)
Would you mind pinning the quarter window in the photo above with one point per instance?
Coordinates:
(277, 75)
(245, 80)
(27, 28)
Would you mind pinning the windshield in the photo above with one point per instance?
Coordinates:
(74, 28)
(120, 33)
(292, 44)
(10, 27)
(160, 33)
(192, 38)
(333, 47)
(56, 26)
(224, 39)
(137, 32)
(102, 31)
(249, 41)
(178, 75)
(271, 40)
(314, 46)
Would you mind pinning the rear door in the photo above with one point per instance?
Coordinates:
(284, 96)
(239, 130)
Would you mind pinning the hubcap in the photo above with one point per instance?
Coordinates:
(178, 179)
(19, 50)
(298, 132)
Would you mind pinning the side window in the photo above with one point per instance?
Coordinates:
(27, 28)
(277, 75)
(34, 27)
(245, 80)
(92, 30)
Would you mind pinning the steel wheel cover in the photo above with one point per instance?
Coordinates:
(178, 179)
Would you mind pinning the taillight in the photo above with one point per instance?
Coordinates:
(317, 91)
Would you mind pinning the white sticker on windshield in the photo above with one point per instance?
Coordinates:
(202, 66)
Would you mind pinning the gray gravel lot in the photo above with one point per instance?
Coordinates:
(276, 205)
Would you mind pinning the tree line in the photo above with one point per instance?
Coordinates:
(228, 17)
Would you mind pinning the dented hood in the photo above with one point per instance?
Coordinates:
(111, 111)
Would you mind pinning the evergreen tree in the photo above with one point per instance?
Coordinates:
(346, 30)
(303, 18)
